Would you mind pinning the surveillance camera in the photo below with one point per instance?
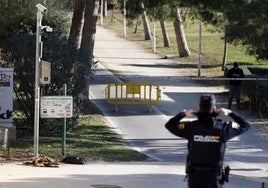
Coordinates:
(41, 8)
(49, 29)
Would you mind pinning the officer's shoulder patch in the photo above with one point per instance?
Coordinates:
(181, 125)
(235, 125)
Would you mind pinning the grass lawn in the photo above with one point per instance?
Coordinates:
(92, 139)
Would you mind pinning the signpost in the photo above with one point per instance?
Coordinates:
(58, 107)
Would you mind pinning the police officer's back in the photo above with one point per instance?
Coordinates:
(206, 140)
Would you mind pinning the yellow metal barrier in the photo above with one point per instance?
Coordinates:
(132, 93)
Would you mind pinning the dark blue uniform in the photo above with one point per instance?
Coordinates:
(235, 85)
(206, 145)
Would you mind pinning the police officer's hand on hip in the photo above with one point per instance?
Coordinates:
(206, 140)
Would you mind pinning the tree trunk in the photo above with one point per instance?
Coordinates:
(105, 4)
(88, 39)
(224, 53)
(77, 22)
(180, 36)
(89, 29)
(112, 18)
(165, 33)
(137, 25)
(146, 27)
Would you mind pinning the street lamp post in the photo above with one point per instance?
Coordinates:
(200, 48)
(101, 12)
(154, 37)
(124, 19)
(38, 55)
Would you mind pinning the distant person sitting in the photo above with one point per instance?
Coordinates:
(235, 85)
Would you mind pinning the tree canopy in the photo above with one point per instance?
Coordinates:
(245, 21)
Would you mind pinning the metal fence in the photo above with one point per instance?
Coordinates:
(133, 94)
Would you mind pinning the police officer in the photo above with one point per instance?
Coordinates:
(206, 141)
(235, 85)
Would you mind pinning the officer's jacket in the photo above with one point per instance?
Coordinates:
(206, 140)
(235, 73)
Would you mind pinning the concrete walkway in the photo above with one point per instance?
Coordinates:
(101, 175)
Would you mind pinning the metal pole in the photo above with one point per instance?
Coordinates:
(64, 126)
(154, 38)
(124, 20)
(244, 182)
(37, 82)
(200, 48)
(8, 143)
(101, 13)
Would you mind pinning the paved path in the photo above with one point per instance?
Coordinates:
(145, 130)
(100, 175)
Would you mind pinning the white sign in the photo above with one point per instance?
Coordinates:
(6, 97)
(56, 107)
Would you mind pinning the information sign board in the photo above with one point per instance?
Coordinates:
(56, 107)
(6, 97)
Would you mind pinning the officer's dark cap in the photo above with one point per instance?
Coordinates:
(207, 101)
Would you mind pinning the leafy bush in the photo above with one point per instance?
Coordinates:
(65, 65)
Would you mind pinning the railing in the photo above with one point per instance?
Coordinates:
(245, 178)
(132, 94)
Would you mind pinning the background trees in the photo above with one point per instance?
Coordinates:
(77, 23)
(245, 21)
(160, 11)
